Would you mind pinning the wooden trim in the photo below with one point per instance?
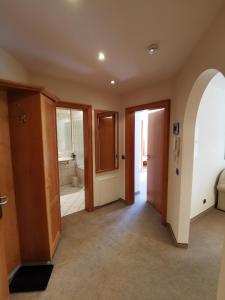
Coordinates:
(10, 85)
(178, 245)
(152, 105)
(88, 150)
(18, 85)
(106, 113)
(51, 95)
(205, 212)
(76, 106)
(109, 203)
(129, 156)
(130, 151)
(106, 170)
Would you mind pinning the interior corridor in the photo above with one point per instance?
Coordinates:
(122, 252)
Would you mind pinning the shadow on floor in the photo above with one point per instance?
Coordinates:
(122, 252)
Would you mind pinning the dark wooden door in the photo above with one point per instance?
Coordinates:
(106, 127)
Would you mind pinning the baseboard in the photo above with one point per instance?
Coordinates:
(175, 242)
(205, 212)
(117, 200)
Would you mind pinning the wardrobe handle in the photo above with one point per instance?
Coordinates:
(3, 200)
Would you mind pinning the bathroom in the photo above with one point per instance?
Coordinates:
(71, 160)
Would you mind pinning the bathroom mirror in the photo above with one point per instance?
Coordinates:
(106, 140)
(64, 131)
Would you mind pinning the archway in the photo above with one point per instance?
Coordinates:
(187, 158)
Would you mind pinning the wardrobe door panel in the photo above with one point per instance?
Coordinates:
(28, 169)
(51, 170)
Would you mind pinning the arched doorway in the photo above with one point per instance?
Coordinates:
(187, 158)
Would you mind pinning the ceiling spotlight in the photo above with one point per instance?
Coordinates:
(153, 48)
(112, 81)
(101, 56)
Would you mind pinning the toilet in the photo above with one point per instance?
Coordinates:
(75, 181)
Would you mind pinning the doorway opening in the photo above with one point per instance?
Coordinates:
(198, 192)
(209, 146)
(74, 133)
(146, 126)
(147, 147)
(141, 152)
(71, 160)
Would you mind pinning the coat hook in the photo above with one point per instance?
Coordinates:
(22, 118)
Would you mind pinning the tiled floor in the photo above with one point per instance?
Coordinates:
(72, 199)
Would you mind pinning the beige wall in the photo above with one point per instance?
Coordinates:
(209, 53)
(11, 69)
(159, 91)
(107, 186)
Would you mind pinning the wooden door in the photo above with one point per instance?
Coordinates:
(4, 288)
(6, 262)
(155, 175)
(50, 150)
(28, 170)
(106, 128)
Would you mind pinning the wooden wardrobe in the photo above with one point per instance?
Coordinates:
(33, 136)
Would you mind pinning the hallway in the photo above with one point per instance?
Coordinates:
(122, 252)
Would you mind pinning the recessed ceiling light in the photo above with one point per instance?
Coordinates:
(101, 56)
(153, 48)
(112, 82)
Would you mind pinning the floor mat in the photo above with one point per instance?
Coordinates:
(31, 278)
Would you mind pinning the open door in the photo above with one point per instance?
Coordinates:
(156, 119)
(158, 154)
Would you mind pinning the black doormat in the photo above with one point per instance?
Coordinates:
(31, 278)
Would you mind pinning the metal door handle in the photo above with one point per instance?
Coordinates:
(3, 200)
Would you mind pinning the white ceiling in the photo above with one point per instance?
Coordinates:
(61, 38)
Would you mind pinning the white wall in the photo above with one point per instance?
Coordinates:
(11, 69)
(209, 154)
(108, 186)
(206, 55)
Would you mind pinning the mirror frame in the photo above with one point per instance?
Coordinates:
(97, 114)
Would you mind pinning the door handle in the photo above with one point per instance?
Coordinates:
(3, 200)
